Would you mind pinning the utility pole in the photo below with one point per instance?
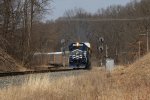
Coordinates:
(63, 52)
(147, 42)
(139, 49)
(116, 52)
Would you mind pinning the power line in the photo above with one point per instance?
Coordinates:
(105, 19)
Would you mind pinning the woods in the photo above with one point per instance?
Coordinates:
(17, 20)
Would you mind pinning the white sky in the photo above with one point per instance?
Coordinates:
(60, 6)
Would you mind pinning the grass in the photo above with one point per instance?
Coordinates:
(93, 85)
(130, 83)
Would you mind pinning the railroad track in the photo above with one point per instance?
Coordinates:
(18, 78)
(50, 68)
(34, 72)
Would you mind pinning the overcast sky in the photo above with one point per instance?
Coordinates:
(60, 6)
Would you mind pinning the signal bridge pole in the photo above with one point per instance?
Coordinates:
(106, 51)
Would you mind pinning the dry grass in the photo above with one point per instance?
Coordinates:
(131, 83)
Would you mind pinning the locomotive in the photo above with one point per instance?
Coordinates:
(80, 54)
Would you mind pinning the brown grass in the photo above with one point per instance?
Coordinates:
(125, 83)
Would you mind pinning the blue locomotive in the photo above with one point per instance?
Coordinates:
(80, 54)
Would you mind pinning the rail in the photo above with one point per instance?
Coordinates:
(33, 72)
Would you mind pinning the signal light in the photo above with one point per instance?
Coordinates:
(101, 39)
(101, 48)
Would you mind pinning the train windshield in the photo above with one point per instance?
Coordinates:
(80, 47)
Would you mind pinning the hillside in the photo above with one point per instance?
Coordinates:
(7, 63)
(140, 70)
(140, 67)
(137, 75)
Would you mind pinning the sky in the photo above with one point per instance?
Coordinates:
(60, 6)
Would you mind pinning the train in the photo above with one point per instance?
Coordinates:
(80, 55)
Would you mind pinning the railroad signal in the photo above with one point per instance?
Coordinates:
(101, 44)
(62, 41)
(101, 49)
(101, 40)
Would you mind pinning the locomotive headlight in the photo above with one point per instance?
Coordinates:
(77, 44)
